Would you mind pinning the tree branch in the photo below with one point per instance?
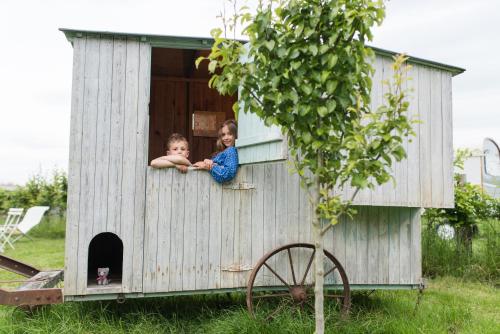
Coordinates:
(356, 191)
(254, 96)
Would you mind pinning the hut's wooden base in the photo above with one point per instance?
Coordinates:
(114, 286)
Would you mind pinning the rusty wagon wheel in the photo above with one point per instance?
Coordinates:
(283, 277)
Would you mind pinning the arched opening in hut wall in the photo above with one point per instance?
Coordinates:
(105, 251)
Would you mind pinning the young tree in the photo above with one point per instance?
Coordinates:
(310, 73)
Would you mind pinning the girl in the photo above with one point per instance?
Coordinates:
(224, 165)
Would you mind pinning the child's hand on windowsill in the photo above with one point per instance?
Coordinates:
(182, 168)
(209, 163)
(202, 165)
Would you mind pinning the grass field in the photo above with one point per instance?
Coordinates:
(449, 305)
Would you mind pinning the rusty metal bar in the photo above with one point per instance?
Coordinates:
(31, 297)
(17, 267)
(37, 291)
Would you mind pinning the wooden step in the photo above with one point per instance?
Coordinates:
(43, 280)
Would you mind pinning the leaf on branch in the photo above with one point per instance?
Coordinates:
(212, 66)
(281, 52)
(322, 111)
(313, 49)
(332, 60)
(331, 86)
(306, 137)
(331, 105)
(269, 45)
(295, 53)
(198, 61)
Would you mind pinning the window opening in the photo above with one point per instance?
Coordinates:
(179, 90)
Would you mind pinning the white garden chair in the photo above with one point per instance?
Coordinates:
(15, 230)
(13, 217)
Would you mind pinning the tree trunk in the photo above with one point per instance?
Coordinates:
(318, 276)
(464, 239)
(318, 259)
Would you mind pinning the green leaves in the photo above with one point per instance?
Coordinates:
(313, 49)
(270, 45)
(281, 52)
(307, 137)
(306, 88)
(322, 111)
(294, 54)
(212, 66)
(331, 105)
(331, 85)
(298, 30)
(295, 64)
(310, 73)
(332, 60)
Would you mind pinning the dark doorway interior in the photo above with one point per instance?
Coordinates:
(105, 251)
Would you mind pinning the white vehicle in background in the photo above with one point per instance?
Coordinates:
(483, 168)
(491, 168)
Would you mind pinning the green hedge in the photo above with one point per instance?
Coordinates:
(38, 190)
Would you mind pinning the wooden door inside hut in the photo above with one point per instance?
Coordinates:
(179, 91)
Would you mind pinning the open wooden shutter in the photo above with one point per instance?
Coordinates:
(256, 141)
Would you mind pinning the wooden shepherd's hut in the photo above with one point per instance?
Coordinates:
(164, 233)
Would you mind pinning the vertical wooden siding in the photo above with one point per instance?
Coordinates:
(425, 177)
(208, 236)
(108, 154)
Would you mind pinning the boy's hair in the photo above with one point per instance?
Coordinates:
(232, 126)
(176, 137)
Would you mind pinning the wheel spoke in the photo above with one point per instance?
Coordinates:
(276, 274)
(307, 269)
(329, 271)
(291, 266)
(272, 295)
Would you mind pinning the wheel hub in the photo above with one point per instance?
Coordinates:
(299, 294)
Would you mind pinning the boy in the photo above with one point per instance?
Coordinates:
(177, 154)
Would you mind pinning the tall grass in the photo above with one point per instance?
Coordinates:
(448, 306)
(441, 311)
(52, 226)
(451, 258)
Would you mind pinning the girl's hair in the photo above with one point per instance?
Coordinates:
(232, 126)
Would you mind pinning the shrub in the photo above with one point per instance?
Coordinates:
(471, 206)
(38, 190)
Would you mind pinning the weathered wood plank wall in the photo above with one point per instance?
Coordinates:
(425, 177)
(108, 154)
(208, 236)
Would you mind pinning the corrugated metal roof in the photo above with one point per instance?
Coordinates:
(189, 42)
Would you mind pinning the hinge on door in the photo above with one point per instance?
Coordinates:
(237, 268)
(240, 186)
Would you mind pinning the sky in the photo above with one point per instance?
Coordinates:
(36, 63)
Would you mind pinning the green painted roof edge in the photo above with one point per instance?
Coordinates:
(189, 42)
(453, 69)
